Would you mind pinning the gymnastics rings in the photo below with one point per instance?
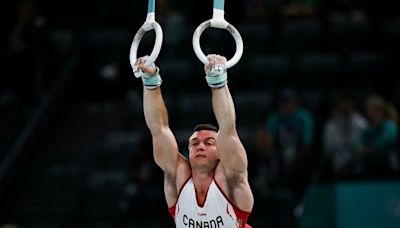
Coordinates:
(218, 21)
(148, 25)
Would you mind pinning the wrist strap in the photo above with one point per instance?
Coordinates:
(217, 81)
(217, 77)
(152, 81)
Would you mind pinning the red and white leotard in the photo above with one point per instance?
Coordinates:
(217, 211)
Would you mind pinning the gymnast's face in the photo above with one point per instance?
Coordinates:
(203, 149)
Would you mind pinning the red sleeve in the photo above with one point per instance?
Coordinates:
(242, 215)
(172, 211)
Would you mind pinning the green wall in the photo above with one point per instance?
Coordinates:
(353, 204)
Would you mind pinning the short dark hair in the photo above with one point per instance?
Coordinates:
(207, 126)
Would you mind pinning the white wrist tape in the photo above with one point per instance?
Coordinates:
(217, 77)
(152, 81)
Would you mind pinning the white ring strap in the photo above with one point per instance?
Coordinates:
(148, 25)
(218, 21)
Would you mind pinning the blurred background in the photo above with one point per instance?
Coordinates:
(317, 94)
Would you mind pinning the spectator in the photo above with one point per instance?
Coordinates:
(340, 136)
(378, 142)
(291, 127)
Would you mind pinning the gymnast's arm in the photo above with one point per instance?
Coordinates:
(230, 149)
(165, 148)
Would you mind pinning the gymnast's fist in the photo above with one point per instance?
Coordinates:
(149, 70)
(214, 61)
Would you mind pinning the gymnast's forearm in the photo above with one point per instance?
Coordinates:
(155, 112)
(224, 109)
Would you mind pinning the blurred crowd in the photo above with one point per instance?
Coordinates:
(358, 140)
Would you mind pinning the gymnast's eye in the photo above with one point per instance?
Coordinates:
(210, 142)
(194, 143)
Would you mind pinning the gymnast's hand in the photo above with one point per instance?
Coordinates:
(215, 62)
(149, 70)
(215, 69)
(150, 74)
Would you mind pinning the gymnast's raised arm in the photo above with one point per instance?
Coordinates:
(165, 148)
